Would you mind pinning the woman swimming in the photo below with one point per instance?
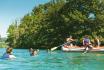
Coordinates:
(8, 53)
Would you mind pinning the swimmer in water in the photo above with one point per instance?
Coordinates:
(8, 53)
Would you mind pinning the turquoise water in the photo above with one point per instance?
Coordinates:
(56, 60)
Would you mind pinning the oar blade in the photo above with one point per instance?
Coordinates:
(54, 48)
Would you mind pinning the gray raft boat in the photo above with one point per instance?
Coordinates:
(82, 49)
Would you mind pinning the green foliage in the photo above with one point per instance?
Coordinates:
(48, 25)
(2, 43)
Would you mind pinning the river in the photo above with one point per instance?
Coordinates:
(56, 60)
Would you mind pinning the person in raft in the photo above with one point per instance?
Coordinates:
(86, 43)
(96, 42)
(8, 53)
(70, 41)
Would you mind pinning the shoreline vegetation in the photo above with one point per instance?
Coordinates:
(3, 43)
(49, 24)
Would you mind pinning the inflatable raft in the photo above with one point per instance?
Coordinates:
(80, 49)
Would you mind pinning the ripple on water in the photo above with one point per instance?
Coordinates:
(56, 60)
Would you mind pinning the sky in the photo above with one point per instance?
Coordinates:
(11, 10)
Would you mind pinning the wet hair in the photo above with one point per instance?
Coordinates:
(9, 50)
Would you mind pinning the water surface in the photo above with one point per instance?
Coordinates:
(56, 60)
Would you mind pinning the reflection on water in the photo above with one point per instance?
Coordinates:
(56, 60)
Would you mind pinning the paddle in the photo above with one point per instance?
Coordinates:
(54, 48)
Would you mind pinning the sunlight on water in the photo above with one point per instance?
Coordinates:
(56, 60)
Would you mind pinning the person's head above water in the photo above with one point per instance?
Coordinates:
(9, 50)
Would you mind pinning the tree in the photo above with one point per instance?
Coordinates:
(12, 34)
(48, 25)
